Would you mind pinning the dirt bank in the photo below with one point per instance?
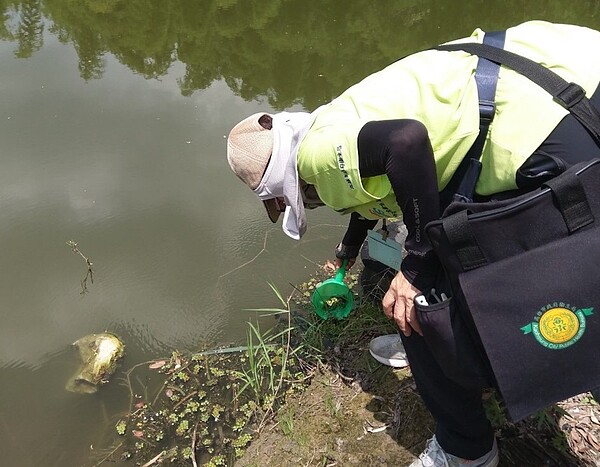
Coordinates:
(310, 394)
(358, 412)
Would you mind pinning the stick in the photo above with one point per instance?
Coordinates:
(194, 446)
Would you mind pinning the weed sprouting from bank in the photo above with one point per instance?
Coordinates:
(261, 374)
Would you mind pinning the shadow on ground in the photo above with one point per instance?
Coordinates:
(359, 412)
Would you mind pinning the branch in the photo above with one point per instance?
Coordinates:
(90, 271)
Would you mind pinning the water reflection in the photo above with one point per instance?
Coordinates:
(285, 51)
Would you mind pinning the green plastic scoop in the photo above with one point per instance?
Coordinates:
(333, 298)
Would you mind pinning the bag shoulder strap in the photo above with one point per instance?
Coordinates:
(486, 78)
(461, 187)
(570, 95)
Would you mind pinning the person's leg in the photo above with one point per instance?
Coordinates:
(462, 428)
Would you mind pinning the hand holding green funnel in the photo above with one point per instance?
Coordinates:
(333, 298)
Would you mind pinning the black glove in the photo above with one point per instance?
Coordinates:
(346, 251)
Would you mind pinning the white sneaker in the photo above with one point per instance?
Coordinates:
(435, 456)
(388, 349)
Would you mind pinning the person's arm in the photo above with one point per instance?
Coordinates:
(355, 235)
(401, 150)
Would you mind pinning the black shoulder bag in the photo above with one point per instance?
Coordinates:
(521, 285)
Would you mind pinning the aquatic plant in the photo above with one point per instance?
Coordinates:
(205, 408)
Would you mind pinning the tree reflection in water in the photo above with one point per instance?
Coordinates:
(283, 51)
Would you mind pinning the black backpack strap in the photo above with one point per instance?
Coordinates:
(462, 185)
(570, 95)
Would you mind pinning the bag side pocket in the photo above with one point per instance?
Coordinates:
(451, 345)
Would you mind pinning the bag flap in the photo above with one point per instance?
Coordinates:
(538, 318)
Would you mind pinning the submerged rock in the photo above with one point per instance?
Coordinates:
(99, 354)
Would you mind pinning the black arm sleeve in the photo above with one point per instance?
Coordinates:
(357, 230)
(401, 150)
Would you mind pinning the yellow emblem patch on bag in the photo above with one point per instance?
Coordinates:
(558, 325)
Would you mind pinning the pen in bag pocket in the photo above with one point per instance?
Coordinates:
(438, 298)
(421, 300)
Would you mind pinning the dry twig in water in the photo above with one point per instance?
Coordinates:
(90, 271)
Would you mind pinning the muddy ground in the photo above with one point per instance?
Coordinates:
(359, 412)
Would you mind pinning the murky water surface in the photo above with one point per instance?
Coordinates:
(112, 134)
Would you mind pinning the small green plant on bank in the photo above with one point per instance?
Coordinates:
(494, 410)
(588, 399)
(260, 375)
(286, 422)
(331, 405)
(268, 357)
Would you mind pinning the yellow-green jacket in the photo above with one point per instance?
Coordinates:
(438, 89)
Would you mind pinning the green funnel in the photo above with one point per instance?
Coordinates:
(333, 298)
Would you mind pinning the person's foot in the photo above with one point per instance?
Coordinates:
(388, 349)
(435, 456)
